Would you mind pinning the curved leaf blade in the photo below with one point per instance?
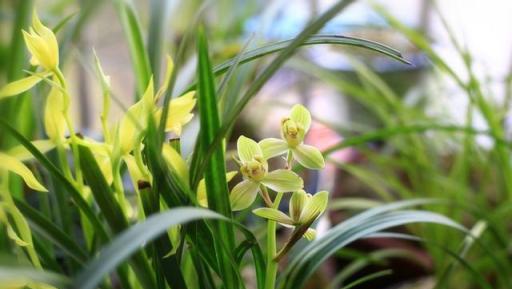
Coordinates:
(131, 240)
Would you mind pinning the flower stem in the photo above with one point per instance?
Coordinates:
(266, 196)
(270, 281)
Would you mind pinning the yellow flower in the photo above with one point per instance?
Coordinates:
(42, 44)
(54, 119)
(179, 112)
(12, 164)
(135, 119)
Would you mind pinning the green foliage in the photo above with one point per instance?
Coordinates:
(102, 232)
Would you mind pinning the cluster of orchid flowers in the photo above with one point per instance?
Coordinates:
(122, 140)
(123, 145)
(304, 208)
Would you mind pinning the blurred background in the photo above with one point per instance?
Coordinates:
(438, 127)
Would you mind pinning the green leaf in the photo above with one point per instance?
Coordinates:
(135, 40)
(312, 40)
(70, 188)
(372, 221)
(158, 27)
(215, 172)
(47, 229)
(367, 278)
(111, 209)
(130, 241)
(283, 181)
(15, 276)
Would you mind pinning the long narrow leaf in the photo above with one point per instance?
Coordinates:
(133, 239)
(75, 194)
(215, 173)
(372, 221)
(112, 211)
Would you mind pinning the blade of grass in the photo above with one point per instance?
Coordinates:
(21, 275)
(215, 173)
(112, 211)
(310, 258)
(130, 241)
(312, 40)
(54, 171)
(367, 278)
(386, 133)
(46, 228)
(158, 22)
(132, 29)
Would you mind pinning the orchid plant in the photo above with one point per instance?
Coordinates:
(181, 202)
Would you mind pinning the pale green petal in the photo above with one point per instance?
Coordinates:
(133, 169)
(310, 234)
(13, 236)
(309, 156)
(283, 181)
(248, 149)
(130, 126)
(202, 198)
(22, 154)
(230, 175)
(22, 85)
(297, 202)
(243, 195)
(301, 115)
(12, 164)
(272, 147)
(54, 120)
(314, 207)
(175, 161)
(274, 215)
(179, 113)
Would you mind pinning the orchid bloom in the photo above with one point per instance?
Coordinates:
(293, 130)
(304, 210)
(254, 168)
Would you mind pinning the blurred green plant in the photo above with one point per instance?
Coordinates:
(90, 228)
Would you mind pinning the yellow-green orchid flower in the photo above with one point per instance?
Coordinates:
(202, 197)
(22, 154)
(293, 130)
(54, 118)
(42, 44)
(179, 113)
(12, 164)
(304, 210)
(254, 168)
(22, 85)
